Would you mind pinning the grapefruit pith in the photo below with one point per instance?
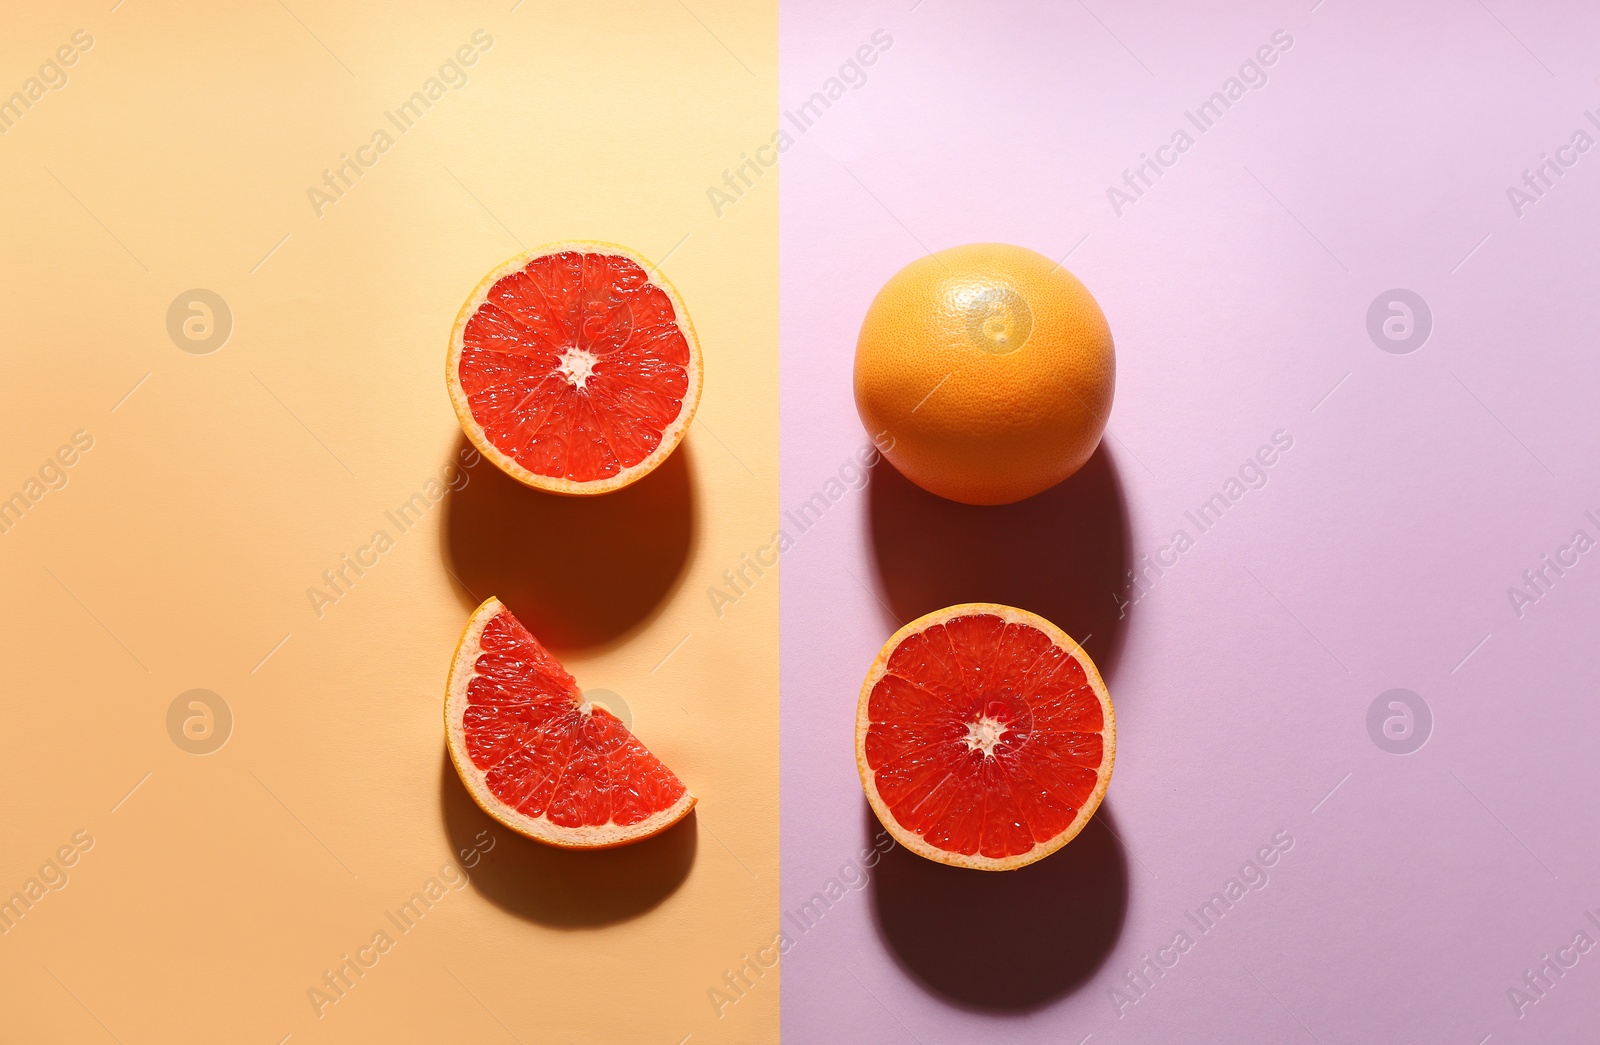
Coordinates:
(574, 367)
(984, 737)
(539, 758)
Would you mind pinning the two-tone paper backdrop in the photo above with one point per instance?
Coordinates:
(217, 890)
(1372, 256)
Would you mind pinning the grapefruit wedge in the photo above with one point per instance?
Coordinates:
(984, 737)
(574, 367)
(539, 758)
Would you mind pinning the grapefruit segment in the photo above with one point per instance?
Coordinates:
(984, 737)
(574, 367)
(539, 758)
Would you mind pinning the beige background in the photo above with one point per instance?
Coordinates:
(179, 553)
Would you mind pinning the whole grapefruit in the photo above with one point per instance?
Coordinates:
(985, 373)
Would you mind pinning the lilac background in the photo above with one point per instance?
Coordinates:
(1418, 489)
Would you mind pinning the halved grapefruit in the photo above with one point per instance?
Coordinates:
(574, 367)
(984, 737)
(539, 758)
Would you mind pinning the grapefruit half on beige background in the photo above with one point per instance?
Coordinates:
(574, 367)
